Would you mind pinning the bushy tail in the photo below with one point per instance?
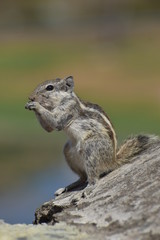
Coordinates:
(134, 146)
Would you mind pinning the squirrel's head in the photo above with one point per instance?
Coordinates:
(51, 92)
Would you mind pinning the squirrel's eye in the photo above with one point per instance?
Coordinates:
(49, 88)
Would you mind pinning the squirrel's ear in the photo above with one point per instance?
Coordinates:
(69, 83)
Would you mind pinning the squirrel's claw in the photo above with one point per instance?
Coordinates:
(31, 105)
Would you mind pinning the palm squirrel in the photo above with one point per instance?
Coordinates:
(91, 151)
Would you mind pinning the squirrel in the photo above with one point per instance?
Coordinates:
(91, 151)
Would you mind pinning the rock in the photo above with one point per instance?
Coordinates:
(125, 204)
(44, 232)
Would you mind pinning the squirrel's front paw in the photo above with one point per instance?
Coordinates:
(32, 105)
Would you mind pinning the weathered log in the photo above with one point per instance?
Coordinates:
(125, 204)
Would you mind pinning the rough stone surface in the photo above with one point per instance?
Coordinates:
(125, 204)
(44, 232)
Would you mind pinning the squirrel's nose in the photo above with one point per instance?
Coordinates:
(31, 98)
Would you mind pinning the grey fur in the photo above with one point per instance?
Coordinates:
(91, 150)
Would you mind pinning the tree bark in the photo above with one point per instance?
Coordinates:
(125, 204)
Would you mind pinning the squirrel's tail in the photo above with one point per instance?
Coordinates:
(134, 146)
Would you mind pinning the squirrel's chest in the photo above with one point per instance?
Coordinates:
(82, 129)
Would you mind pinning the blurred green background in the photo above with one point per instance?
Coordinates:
(112, 48)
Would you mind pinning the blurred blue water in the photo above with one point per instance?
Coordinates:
(19, 205)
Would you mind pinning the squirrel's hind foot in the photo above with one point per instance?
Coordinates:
(75, 186)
